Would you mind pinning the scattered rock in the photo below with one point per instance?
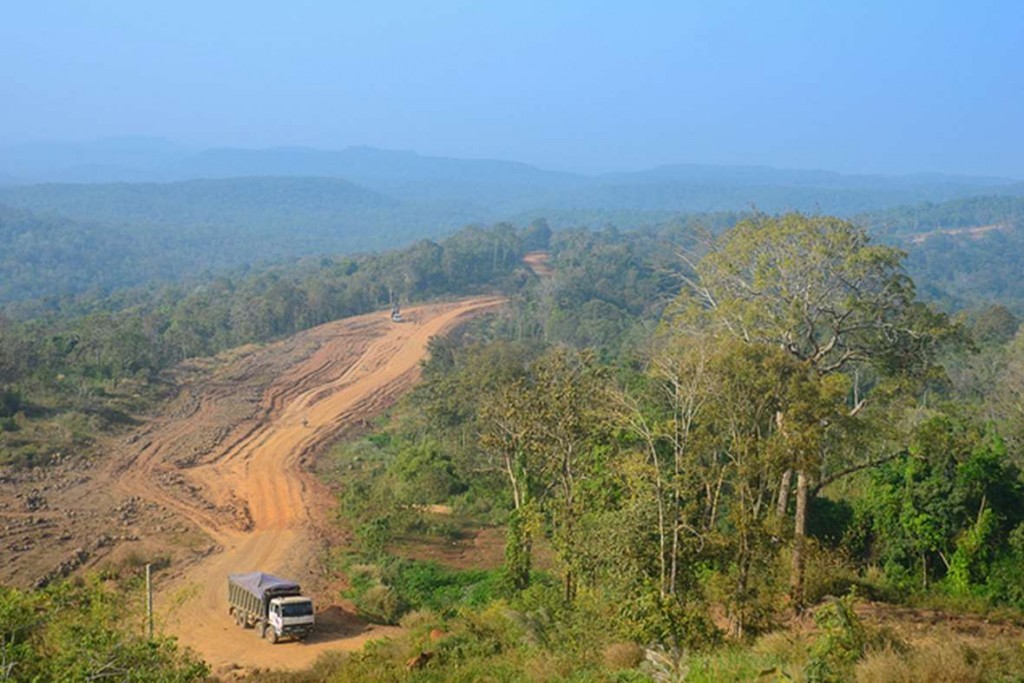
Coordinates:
(77, 559)
(33, 500)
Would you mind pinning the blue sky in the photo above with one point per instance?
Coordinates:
(890, 87)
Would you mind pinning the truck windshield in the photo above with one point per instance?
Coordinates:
(297, 609)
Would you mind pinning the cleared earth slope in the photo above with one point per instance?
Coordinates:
(233, 462)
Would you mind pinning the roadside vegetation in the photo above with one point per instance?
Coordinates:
(743, 482)
(86, 631)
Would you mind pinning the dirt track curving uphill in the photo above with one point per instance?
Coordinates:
(232, 458)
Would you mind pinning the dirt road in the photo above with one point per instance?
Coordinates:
(232, 455)
(539, 263)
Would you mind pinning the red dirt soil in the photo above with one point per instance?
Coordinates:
(538, 261)
(252, 492)
(232, 456)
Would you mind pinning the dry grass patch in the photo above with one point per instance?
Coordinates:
(945, 662)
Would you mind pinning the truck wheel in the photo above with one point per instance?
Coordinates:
(271, 635)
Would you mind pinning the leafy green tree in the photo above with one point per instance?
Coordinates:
(816, 287)
(995, 324)
(544, 429)
(77, 632)
(946, 509)
(569, 425)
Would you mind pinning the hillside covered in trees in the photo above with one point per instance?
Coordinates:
(687, 437)
(180, 215)
(790, 432)
(66, 241)
(964, 253)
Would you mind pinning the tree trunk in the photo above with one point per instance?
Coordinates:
(783, 505)
(518, 549)
(796, 579)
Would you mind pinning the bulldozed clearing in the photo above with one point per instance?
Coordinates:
(220, 482)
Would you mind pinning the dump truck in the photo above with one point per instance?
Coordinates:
(275, 607)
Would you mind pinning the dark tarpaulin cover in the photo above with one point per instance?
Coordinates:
(259, 583)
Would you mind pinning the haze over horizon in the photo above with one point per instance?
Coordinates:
(138, 144)
(865, 88)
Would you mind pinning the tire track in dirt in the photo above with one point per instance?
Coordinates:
(251, 491)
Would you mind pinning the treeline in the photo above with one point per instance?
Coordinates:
(122, 236)
(953, 266)
(797, 426)
(608, 287)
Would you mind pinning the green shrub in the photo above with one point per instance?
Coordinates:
(380, 604)
(78, 632)
(385, 591)
(840, 645)
(10, 402)
(827, 572)
(426, 475)
(372, 538)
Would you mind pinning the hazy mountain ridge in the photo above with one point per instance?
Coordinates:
(499, 188)
(221, 201)
(182, 228)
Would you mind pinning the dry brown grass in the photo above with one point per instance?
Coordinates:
(943, 663)
(619, 656)
(943, 648)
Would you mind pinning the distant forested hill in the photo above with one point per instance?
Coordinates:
(961, 253)
(68, 239)
(55, 256)
(498, 189)
(503, 188)
(257, 204)
(917, 221)
(176, 229)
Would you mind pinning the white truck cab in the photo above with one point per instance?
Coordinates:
(290, 616)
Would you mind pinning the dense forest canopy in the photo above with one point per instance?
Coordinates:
(962, 253)
(110, 236)
(71, 240)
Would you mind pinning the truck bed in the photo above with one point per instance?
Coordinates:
(260, 584)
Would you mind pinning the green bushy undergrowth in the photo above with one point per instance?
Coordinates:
(388, 587)
(84, 631)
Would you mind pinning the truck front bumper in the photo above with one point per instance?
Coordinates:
(297, 631)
